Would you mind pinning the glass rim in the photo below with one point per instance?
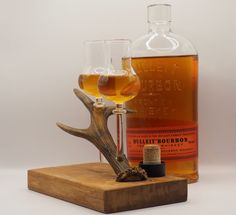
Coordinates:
(108, 40)
(93, 41)
(118, 41)
(159, 4)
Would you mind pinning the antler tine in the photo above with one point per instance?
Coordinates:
(74, 131)
(85, 99)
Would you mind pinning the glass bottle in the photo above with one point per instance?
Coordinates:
(167, 65)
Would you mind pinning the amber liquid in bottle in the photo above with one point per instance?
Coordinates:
(166, 108)
(119, 88)
(89, 83)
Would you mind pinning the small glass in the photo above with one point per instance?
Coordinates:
(119, 83)
(94, 64)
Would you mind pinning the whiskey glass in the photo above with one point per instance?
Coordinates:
(119, 83)
(94, 64)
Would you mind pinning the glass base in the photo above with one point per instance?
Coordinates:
(119, 109)
(99, 103)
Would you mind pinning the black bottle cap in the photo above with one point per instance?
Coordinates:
(154, 170)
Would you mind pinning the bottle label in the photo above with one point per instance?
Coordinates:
(177, 142)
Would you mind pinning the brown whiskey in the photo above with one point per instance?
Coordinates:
(119, 88)
(166, 108)
(89, 83)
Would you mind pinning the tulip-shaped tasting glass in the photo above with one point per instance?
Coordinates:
(119, 83)
(94, 63)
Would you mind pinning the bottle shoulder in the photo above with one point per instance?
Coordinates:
(162, 44)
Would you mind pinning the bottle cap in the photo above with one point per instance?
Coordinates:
(159, 13)
(154, 170)
(152, 161)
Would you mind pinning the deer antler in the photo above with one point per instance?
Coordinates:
(99, 135)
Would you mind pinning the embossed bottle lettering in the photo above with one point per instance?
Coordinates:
(166, 109)
(167, 65)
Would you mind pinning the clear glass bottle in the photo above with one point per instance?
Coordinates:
(167, 65)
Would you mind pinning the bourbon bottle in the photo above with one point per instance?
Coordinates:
(167, 66)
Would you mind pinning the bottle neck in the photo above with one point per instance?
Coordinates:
(159, 27)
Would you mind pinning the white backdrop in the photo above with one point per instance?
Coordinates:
(41, 58)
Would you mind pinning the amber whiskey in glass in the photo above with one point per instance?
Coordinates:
(89, 84)
(119, 88)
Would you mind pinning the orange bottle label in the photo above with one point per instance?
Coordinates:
(177, 142)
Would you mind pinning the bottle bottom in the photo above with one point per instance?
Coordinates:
(192, 178)
(181, 168)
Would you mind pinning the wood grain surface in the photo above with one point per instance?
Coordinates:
(93, 186)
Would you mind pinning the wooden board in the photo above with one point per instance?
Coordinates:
(93, 186)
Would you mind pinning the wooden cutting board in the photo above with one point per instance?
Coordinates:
(93, 185)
